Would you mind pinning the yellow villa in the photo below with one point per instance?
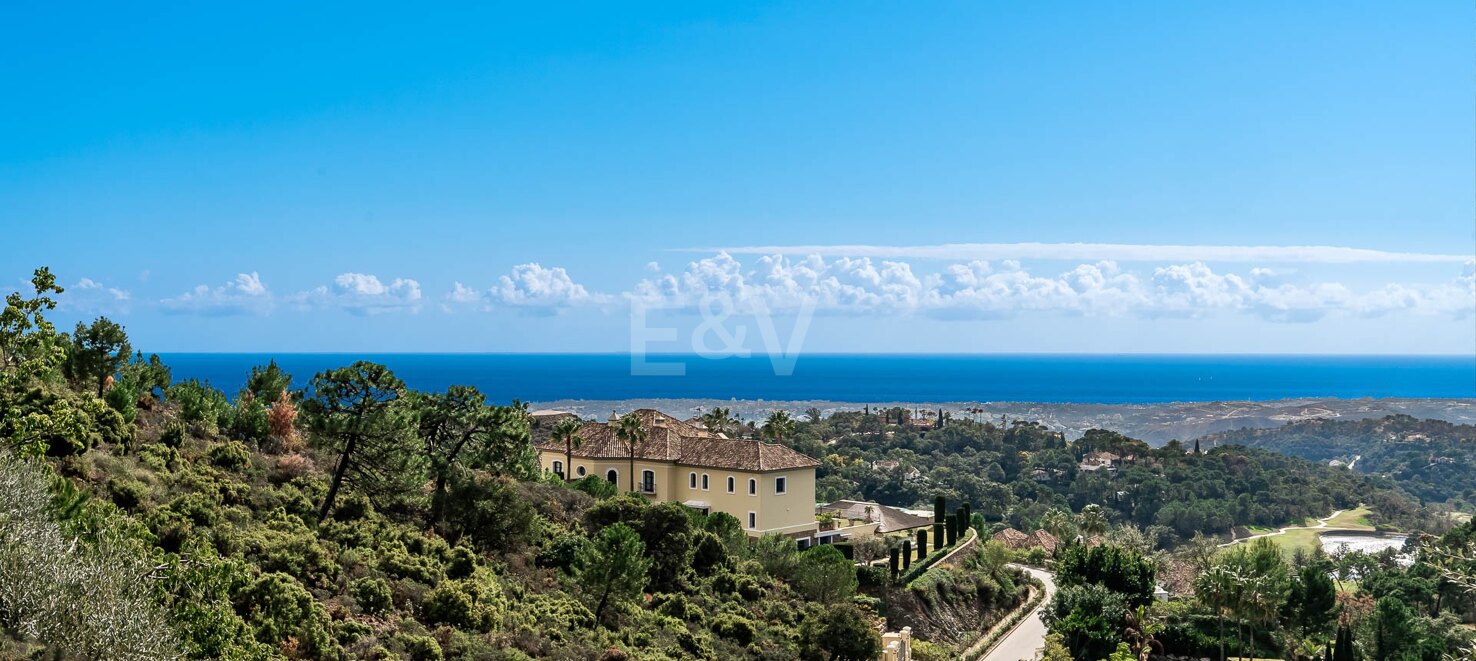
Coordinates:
(769, 488)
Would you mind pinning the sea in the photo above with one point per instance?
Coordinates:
(1060, 378)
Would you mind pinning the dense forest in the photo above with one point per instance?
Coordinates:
(1020, 473)
(143, 517)
(1253, 600)
(1433, 459)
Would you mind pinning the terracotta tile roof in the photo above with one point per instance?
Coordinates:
(670, 439)
(890, 518)
(1012, 539)
(1044, 540)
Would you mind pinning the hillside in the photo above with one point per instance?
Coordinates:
(144, 518)
(1433, 459)
(1026, 476)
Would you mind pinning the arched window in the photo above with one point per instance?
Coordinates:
(648, 481)
(691, 480)
(612, 476)
(559, 468)
(752, 487)
(704, 482)
(579, 471)
(732, 485)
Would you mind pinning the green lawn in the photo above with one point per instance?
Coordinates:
(1308, 539)
(1354, 519)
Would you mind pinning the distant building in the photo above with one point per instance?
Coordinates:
(892, 464)
(769, 488)
(1098, 460)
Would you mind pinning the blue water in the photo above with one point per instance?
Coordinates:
(890, 378)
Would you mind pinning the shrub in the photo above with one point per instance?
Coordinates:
(448, 604)
(127, 494)
(279, 609)
(461, 562)
(230, 456)
(737, 629)
(372, 594)
(561, 553)
(420, 648)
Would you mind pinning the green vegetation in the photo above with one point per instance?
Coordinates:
(1432, 459)
(357, 519)
(1024, 476)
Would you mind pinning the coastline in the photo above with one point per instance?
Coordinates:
(1155, 423)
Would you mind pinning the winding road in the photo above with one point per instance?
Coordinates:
(1321, 523)
(1028, 637)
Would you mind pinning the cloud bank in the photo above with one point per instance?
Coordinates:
(980, 289)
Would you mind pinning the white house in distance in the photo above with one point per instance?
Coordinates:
(769, 488)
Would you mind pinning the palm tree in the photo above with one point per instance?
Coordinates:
(1141, 627)
(779, 425)
(1093, 520)
(632, 436)
(719, 420)
(1219, 589)
(1057, 522)
(567, 432)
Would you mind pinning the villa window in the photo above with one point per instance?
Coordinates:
(732, 485)
(648, 481)
(691, 480)
(781, 485)
(704, 481)
(559, 468)
(579, 471)
(613, 476)
(752, 487)
(753, 520)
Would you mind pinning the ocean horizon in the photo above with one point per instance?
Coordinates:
(860, 378)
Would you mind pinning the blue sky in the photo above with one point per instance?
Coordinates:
(495, 178)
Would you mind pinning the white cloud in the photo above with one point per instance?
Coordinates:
(92, 297)
(363, 294)
(1090, 252)
(529, 287)
(244, 295)
(977, 289)
(533, 286)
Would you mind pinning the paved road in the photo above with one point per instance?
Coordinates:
(1321, 523)
(1028, 637)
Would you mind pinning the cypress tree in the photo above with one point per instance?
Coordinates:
(922, 543)
(894, 563)
(938, 537)
(907, 555)
(1196, 446)
(952, 530)
(940, 507)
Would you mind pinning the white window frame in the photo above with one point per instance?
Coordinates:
(558, 468)
(612, 476)
(706, 482)
(580, 471)
(732, 484)
(692, 480)
(753, 520)
(781, 486)
(752, 487)
(644, 473)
